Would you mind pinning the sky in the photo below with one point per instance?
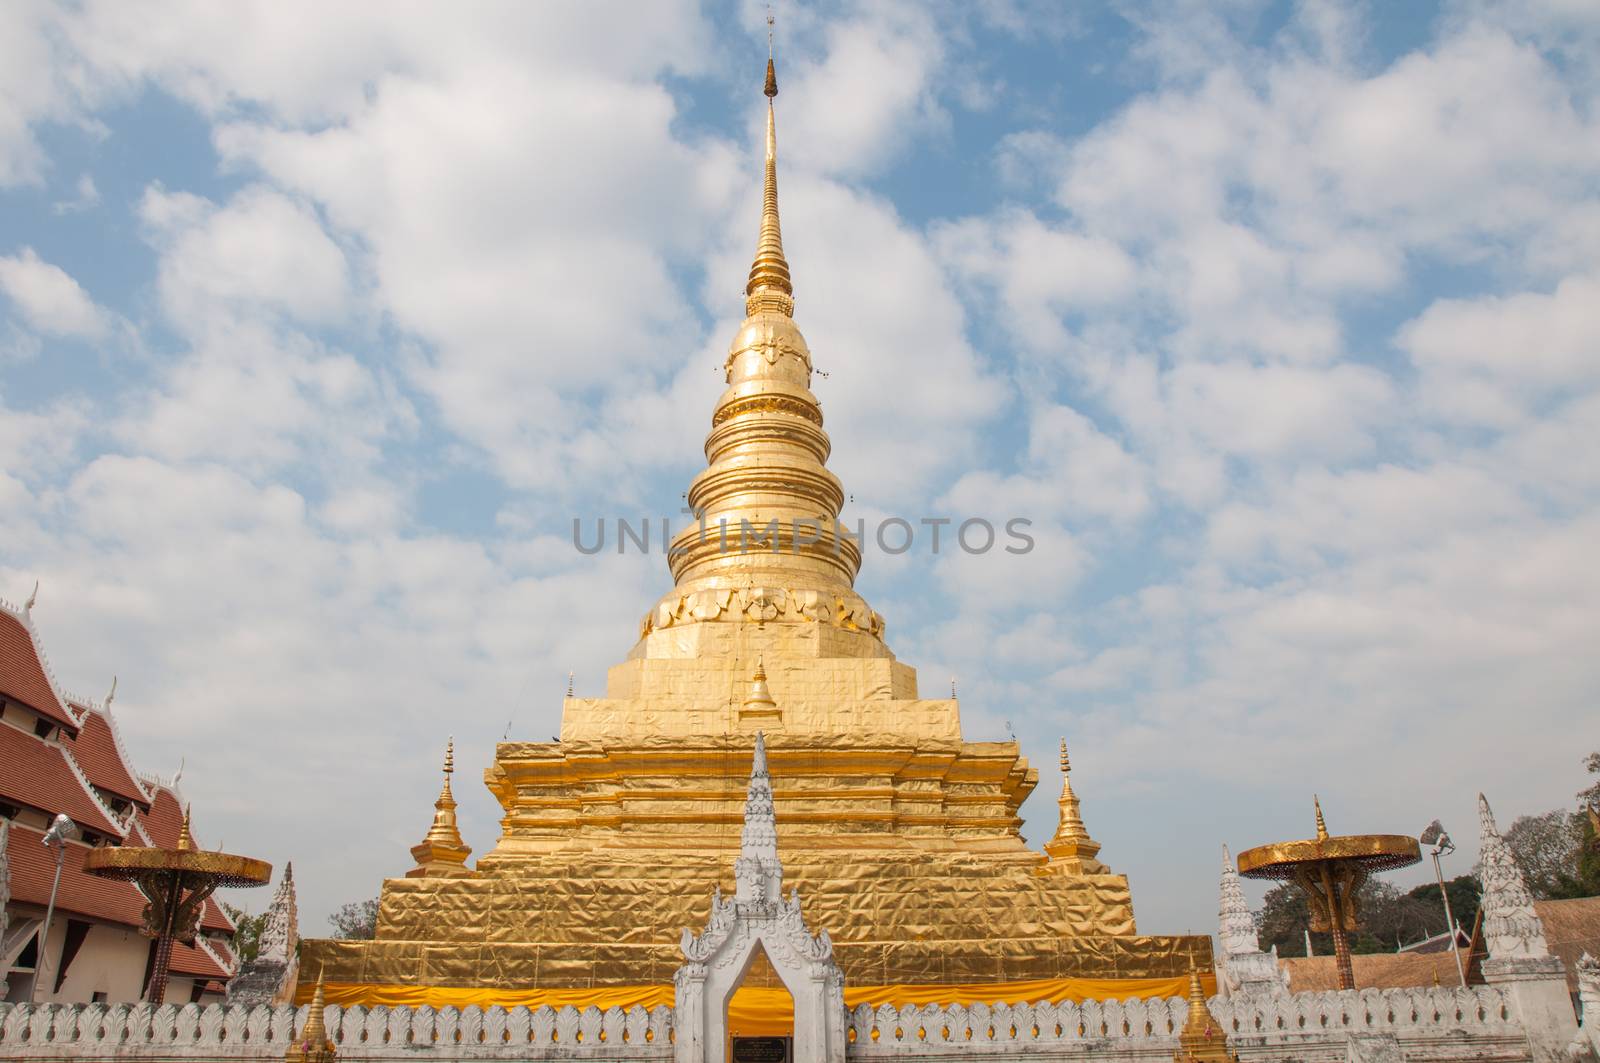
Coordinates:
(320, 324)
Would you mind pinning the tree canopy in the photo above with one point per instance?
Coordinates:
(356, 920)
(246, 932)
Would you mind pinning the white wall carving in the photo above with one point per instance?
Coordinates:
(1241, 965)
(146, 1032)
(1519, 963)
(1437, 1023)
(757, 917)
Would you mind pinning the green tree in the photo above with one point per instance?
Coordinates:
(1389, 918)
(358, 919)
(1546, 849)
(1590, 797)
(246, 933)
(1465, 892)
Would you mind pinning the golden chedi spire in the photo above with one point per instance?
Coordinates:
(313, 1044)
(1071, 849)
(770, 287)
(769, 546)
(1202, 1039)
(1322, 824)
(442, 853)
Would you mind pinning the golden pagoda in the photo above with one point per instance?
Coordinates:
(902, 836)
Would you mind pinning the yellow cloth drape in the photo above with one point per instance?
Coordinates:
(756, 1010)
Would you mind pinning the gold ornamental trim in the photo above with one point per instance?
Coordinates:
(768, 404)
(1373, 852)
(122, 861)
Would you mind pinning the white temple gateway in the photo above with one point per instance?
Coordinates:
(1523, 1014)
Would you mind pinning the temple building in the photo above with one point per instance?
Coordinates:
(63, 755)
(901, 835)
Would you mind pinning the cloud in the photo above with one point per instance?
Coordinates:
(48, 299)
(1282, 346)
(1487, 359)
(262, 249)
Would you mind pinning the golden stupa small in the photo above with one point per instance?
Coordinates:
(902, 835)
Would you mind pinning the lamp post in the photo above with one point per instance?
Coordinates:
(1435, 835)
(61, 830)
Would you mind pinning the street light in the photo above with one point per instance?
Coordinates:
(62, 830)
(1435, 835)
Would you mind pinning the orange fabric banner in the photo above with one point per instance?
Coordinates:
(758, 1011)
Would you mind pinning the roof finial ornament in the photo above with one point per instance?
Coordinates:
(185, 839)
(33, 596)
(1322, 824)
(569, 684)
(952, 688)
(1072, 846)
(112, 693)
(769, 287)
(442, 852)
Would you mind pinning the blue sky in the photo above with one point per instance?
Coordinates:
(1278, 320)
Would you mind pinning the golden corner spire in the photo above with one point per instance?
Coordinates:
(185, 839)
(442, 852)
(1072, 847)
(770, 288)
(1322, 824)
(1202, 1039)
(313, 1045)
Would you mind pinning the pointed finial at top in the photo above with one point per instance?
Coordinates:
(569, 684)
(33, 596)
(770, 287)
(112, 693)
(953, 688)
(1322, 824)
(758, 763)
(313, 1043)
(1486, 815)
(1066, 765)
(1227, 858)
(450, 755)
(185, 839)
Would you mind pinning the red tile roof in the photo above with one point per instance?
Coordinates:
(100, 756)
(192, 960)
(39, 774)
(22, 673)
(1572, 927)
(33, 867)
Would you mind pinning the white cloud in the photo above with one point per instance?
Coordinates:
(853, 110)
(261, 250)
(1486, 359)
(1268, 543)
(48, 298)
